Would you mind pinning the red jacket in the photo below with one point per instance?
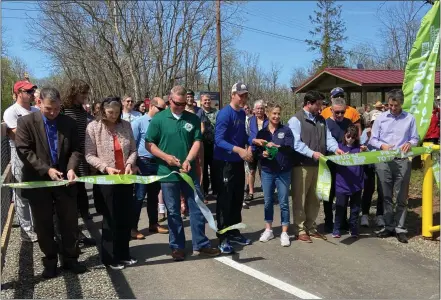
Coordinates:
(434, 129)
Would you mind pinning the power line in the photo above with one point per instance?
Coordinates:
(276, 35)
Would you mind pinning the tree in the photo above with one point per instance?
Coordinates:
(400, 22)
(9, 77)
(131, 47)
(328, 34)
(366, 55)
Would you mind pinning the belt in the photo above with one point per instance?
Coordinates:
(151, 159)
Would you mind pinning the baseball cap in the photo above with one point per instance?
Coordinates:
(239, 88)
(25, 85)
(190, 92)
(336, 91)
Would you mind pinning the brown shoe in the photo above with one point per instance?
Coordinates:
(158, 229)
(211, 252)
(318, 235)
(135, 234)
(304, 238)
(178, 254)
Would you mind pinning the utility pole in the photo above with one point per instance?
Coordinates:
(219, 52)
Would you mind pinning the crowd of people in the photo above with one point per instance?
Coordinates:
(61, 138)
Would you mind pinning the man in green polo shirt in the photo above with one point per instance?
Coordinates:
(174, 137)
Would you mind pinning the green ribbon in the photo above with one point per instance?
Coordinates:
(130, 179)
(324, 181)
(272, 151)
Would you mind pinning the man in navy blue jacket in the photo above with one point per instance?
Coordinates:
(229, 154)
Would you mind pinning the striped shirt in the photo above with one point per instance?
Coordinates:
(79, 114)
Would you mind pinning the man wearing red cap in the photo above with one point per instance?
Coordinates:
(24, 93)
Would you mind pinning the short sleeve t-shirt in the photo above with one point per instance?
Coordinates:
(175, 137)
(351, 114)
(11, 115)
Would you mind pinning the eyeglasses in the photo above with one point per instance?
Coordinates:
(339, 112)
(179, 103)
(159, 108)
(129, 101)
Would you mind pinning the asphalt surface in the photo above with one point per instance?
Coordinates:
(365, 268)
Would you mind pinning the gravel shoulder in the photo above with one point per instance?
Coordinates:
(21, 277)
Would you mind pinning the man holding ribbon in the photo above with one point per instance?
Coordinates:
(174, 137)
(312, 139)
(394, 129)
(48, 145)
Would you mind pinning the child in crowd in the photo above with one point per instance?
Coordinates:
(348, 185)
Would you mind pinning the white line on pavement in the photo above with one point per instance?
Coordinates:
(266, 278)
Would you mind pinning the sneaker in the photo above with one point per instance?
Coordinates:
(116, 266)
(249, 198)
(354, 234)
(284, 239)
(225, 247)
(336, 234)
(210, 252)
(266, 236)
(380, 221)
(240, 239)
(364, 221)
(245, 206)
(129, 262)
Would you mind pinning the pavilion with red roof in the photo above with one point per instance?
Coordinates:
(361, 81)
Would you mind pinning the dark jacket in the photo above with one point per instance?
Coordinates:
(33, 148)
(284, 159)
(254, 129)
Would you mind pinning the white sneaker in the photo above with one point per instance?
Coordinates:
(284, 239)
(364, 221)
(266, 236)
(380, 221)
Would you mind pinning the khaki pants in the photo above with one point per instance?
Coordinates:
(305, 203)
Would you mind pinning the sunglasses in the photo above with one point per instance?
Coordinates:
(30, 92)
(129, 101)
(179, 103)
(159, 108)
(339, 112)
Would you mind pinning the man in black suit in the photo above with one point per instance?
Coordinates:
(47, 144)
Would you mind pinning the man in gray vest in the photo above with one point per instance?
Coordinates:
(312, 139)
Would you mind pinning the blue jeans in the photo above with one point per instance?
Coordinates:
(147, 167)
(171, 193)
(269, 182)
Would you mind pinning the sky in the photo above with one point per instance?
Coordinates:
(283, 18)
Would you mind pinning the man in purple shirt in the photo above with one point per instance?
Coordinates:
(394, 129)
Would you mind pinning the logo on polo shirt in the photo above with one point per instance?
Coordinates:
(188, 127)
(281, 135)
